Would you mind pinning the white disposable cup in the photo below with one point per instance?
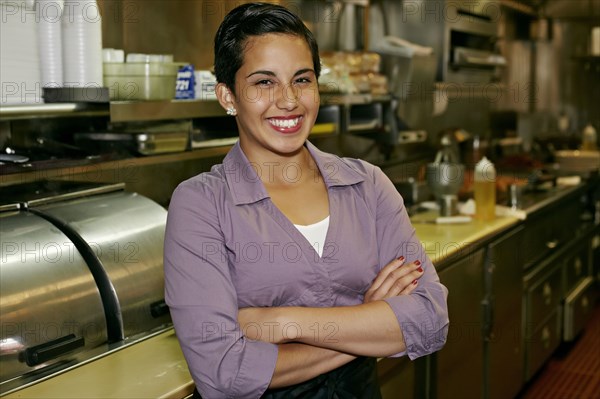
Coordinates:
(82, 44)
(49, 13)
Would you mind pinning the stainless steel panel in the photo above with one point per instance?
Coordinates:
(578, 308)
(538, 240)
(396, 375)
(543, 297)
(576, 268)
(126, 232)
(567, 217)
(459, 369)
(47, 292)
(540, 344)
(503, 340)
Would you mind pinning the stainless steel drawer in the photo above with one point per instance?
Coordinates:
(547, 233)
(578, 308)
(540, 345)
(543, 298)
(576, 268)
(566, 218)
(538, 240)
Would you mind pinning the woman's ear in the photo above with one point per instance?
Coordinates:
(226, 98)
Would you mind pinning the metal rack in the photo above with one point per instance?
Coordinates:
(118, 111)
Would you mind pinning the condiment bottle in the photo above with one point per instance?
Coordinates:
(589, 138)
(485, 190)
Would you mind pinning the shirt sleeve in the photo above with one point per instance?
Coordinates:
(203, 301)
(422, 315)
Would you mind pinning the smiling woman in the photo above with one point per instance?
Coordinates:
(289, 279)
(276, 95)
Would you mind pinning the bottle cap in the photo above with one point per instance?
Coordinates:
(485, 170)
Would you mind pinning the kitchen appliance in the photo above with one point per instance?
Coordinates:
(82, 276)
(445, 176)
(462, 35)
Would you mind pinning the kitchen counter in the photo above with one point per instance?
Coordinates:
(153, 368)
(443, 242)
(156, 368)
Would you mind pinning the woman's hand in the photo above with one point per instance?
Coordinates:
(396, 278)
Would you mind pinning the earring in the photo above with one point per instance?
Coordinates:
(231, 111)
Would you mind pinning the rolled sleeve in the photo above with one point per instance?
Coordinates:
(203, 301)
(422, 315)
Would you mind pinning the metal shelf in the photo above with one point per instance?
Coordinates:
(119, 111)
(137, 111)
(29, 111)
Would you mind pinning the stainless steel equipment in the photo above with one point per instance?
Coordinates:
(445, 177)
(82, 275)
(462, 34)
(43, 277)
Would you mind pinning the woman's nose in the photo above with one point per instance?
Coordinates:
(287, 97)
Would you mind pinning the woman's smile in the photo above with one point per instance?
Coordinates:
(286, 125)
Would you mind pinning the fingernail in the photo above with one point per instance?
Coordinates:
(417, 262)
(414, 282)
(420, 270)
(401, 258)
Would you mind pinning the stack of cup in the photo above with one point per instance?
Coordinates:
(20, 67)
(82, 44)
(48, 13)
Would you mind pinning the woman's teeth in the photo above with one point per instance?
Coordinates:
(285, 123)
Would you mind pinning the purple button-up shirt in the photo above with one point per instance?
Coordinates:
(227, 247)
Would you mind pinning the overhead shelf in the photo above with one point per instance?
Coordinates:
(28, 111)
(119, 111)
(132, 111)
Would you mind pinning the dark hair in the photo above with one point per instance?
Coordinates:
(255, 19)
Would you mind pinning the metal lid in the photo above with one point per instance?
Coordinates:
(48, 191)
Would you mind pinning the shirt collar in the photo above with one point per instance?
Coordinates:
(246, 187)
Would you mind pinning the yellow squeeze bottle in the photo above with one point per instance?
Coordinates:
(485, 190)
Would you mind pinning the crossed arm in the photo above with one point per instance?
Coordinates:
(313, 341)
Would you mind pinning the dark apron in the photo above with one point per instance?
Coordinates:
(355, 380)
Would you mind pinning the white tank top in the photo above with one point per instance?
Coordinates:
(315, 234)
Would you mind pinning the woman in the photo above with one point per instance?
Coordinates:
(288, 270)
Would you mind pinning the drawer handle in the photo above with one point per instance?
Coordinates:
(546, 337)
(159, 308)
(547, 293)
(552, 244)
(50, 350)
(585, 303)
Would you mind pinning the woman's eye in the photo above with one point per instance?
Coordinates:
(264, 82)
(303, 81)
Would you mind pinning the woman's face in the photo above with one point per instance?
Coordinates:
(276, 94)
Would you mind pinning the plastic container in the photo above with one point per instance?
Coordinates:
(141, 80)
(485, 190)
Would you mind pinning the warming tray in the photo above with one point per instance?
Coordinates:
(48, 297)
(81, 275)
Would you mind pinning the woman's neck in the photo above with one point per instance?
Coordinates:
(283, 169)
